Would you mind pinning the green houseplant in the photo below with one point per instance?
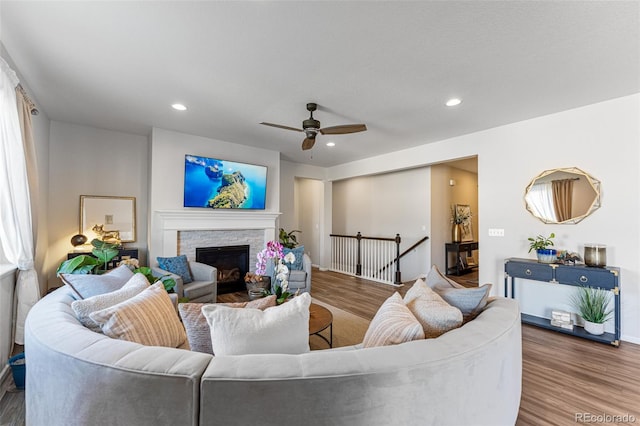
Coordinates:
(288, 239)
(593, 306)
(541, 245)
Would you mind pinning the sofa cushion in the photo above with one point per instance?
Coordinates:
(393, 324)
(434, 314)
(297, 279)
(87, 285)
(282, 329)
(176, 265)
(84, 308)
(298, 252)
(148, 318)
(471, 301)
(197, 328)
(198, 289)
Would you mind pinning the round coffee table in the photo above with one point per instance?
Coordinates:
(320, 318)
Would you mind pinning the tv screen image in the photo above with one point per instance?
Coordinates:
(221, 184)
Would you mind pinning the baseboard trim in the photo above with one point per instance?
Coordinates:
(6, 382)
(630, 339)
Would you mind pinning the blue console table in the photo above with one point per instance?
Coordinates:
(575, 275)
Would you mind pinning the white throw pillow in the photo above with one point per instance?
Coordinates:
(197, 328)
(87, 285)
(282, 329)
(84, 308)
(149, 318)
(434, 314)
(393, 324)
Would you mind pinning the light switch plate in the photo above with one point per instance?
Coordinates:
(496, 232)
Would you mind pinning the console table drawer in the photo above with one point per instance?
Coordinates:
(531, 271)
(593, 277)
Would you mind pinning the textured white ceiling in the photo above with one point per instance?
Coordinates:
(391, 65)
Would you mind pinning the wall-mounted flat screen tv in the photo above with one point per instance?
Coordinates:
(221, 184)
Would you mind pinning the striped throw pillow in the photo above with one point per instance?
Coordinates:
(148, 318)
(393, 324)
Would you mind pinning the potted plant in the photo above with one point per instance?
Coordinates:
(288, 239)
(593, 306)
(280, 273)
(540, 244)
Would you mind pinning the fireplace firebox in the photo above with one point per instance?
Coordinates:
(232, 263)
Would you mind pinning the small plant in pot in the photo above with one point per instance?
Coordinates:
(593, 306)
(541, 245)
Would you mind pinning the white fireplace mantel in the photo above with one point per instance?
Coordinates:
(168, 223)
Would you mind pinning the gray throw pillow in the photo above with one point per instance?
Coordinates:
(470, 301)
(87, 285)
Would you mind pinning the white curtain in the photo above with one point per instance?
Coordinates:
(16, 231)
(540, 200)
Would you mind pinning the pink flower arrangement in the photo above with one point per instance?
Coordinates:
(273, 251)
(280, 285)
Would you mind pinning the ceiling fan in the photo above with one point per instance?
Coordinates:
(311, 127)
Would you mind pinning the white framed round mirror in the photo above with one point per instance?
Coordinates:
(562, 196)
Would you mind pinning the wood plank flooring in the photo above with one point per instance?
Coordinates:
(563, 376)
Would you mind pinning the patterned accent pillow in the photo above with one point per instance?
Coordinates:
(87, 285)
(282, 329)
(298, 252)
(148, 318)
(434, 314)
(393, 324)
(83, 308)
(471, 301)
(198, 332)
(177, 265)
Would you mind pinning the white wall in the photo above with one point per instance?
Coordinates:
(309, 212)
(167, 151)
(601, 139)
(89, 161)
(289, 206)
(386, 205)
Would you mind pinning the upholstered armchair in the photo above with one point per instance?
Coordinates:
(298, 279)
(203, 288)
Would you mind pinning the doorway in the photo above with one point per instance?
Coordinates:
(454, 184)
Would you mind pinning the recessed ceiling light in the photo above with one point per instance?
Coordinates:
(179, 107)
(453, 102)
(331, 144)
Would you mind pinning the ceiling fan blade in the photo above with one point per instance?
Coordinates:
(345, 128)
(307, 143)
(280, 126)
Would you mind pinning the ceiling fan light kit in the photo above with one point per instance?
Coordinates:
(311, 128)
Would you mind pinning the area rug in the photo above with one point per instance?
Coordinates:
(348, 329)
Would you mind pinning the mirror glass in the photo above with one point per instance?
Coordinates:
(112, 215)
(562, 195)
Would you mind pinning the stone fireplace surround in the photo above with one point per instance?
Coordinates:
(181, 231)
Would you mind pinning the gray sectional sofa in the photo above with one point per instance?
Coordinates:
(468, 376)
